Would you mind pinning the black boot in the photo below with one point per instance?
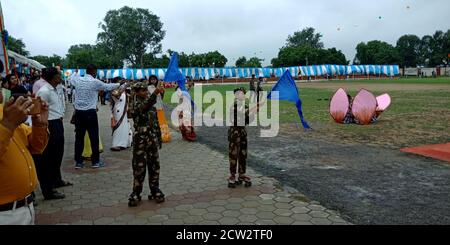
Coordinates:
(134, 200)
(232, 182)
(157, 195)
(245, 179)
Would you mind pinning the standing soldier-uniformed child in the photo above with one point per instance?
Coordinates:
(241, 116)
(253, 91)
(147, 143)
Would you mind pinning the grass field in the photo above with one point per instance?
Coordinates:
(420, 113)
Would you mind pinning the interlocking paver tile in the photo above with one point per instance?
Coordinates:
(231, 213)
(100, 197)
(301, 210)
(321, 221)
(283, 220)
(283, 212)
(198, 212)
(228, 221)
(265, 215)
(318, 214)
(248, 218)
(212, 216)
(301, 217)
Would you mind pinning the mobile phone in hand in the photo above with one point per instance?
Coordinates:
(35, 101)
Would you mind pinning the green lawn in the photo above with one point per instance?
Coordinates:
(439, 80)
(416, 116)
(316, 100)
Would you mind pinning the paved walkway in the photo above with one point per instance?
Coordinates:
(194, 179)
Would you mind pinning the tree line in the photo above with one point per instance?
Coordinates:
(132, 37)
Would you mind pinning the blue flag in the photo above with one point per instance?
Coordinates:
(173, 73)
(288, 91)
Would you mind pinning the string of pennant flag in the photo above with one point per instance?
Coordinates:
(228, 72)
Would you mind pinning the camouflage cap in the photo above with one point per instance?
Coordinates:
(140, 85)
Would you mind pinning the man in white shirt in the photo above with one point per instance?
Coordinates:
(86, 99)
(48, 165)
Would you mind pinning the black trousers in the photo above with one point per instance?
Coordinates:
(48, 165)
(86, 121)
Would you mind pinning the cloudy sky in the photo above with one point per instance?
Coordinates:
(233, 27)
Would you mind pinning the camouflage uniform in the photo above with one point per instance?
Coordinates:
(147, 141)
(238, 148)
(253, 92)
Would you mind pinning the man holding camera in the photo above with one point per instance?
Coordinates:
(18, 177)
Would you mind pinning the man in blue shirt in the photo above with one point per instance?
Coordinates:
(86, 119)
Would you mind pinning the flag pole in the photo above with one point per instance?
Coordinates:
(2, 29)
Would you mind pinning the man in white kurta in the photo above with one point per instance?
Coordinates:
(122, 134)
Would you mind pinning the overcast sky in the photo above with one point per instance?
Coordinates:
(233, 27)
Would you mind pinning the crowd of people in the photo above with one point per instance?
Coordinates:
(32, 143)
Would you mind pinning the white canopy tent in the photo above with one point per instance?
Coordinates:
(25, 61)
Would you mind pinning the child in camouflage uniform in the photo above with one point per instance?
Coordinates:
(241, 116)
(147, 141)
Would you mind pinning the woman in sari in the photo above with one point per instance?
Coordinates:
(122, 136)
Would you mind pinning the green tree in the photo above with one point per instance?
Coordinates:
(183, 60)
(131, 33)
(426, 50)
(198, 60)
(241, 62)
(215, 59)
(49, 61)
(377, 53)
(440, 48)
(151, 61)
(333, 56)
(307, 55)
(306, 48)
(79, 56)
(434, 49)
(18, 46)
(408, 47)
(210, 59)
(105, 58)
(254, 62)
(307, 36)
